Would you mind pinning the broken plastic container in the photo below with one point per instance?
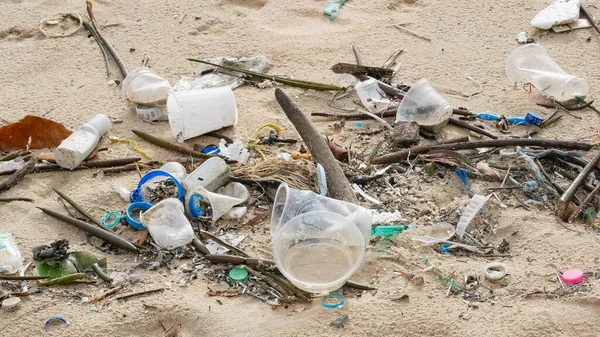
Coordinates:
(144, 86)
(212, 174)
(149, 183)
(202, 203)
(11, 260)
(168, 225)
(531, 63)
(196, 112)
(318, 251)
(72, 151)
(290, 202)
(371, 96)
(423, 105)
(151, 113)
(438, 232)
(176, 169)
(476, 203)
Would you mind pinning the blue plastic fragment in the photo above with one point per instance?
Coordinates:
(211, 149)
(444, 248)
(54, 319)
(462, 175)
(333, 305)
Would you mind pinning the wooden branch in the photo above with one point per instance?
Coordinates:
(223, 243)
(587, 200)
(562, 205)
(200, 247)
(169, 145)
(105, 294)
(79, 209)
(269, 281)
(337, 183)
(22, 278)
(18, 175)
(85, 165)
(545, 143)
(470, 127)
(111, 49)
(139, 293)
(107, 236)
(349, 68)
(403, 154)
(230, 259)
(589, 17)
(16, 199)
(360, 116)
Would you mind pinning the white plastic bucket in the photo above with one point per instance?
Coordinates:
(196, 112)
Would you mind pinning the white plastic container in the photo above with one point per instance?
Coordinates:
(151, 113)
(168, 225)
(531, 63)
(10, 256)
(176, 169)
(144, 86)
(201, 203)
(318, 251)
(196, 112)
(73, 150)
(423, 105)
(290, 202)
(212, 174)
(371, 96)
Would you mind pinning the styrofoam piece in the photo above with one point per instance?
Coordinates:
(197, 112)
(580, 23)
(476, 203)
(558, 13)
(522, 37)
(144, 86)
(371, 96)
(72, 151)
(423, 105)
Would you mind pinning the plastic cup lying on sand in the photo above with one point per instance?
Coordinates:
(211, 175)
(423, 105)
(168, 225)
(196, 112)
(290, 202)
(531, 63)
(144, 86)
(201, 203)
(318, 251)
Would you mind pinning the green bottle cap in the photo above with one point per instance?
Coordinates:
(238, 274)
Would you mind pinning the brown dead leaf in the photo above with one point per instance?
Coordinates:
(32, 132)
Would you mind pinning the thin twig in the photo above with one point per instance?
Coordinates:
(105, 294)
(79, 209)
(169, 145)
(224, 244)
(139, 293)
(269, 281)
(16, 199)
(101, 273)
(589, 17)
(91, 30)
(357, 55)
(18, 175)
(406, 30)
(587, 199)
(113, 52)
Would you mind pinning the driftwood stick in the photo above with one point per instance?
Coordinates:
(16, 199)
(131, 167)
(337, 183)
(85, 165)
(139, 293)
(546, 143)
(223, 243)
(562, 205)
(168, 145)
(22, 278)
(589, 17)
(355, 285)
(470, 127)
(200, 247)
(269, 281)
(415, 34)
(231, 259)
(18, 175)
(288, 286)
(357, 55)
(79, 209)
(105, 294)
(403, 154)
(111, 49)
(587, 200)
(103, 235)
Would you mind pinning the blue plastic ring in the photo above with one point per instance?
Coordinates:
(335, 305)
(54, 319)
(140, 205)
(116, 215)
(153, 174)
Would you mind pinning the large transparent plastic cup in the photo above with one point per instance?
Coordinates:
(290, 202)
(531, 63)
(318, 251)
(423, 105)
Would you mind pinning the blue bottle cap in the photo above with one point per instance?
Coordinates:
(132, 213)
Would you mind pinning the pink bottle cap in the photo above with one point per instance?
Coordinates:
(572, 276)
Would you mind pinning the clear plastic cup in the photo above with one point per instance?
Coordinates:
(290, 202)
(423, 105)
(318, 251)
(196, 112)
(531, 63)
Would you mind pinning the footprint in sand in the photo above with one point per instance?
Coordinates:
(254, 4)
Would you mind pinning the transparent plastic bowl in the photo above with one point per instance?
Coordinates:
(318, 251)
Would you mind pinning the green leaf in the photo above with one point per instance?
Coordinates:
(64, 280)
(64, 268)
(83, 260)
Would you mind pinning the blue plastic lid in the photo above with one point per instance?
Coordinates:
(137, 194)
(136, 206)
(195, 205)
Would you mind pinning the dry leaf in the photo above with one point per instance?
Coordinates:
(32, 132)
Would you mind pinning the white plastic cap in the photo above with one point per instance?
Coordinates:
(101, 123)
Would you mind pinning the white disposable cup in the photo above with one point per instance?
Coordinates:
(196, 112)
(144, 86)
(423, 105)
(531, 63)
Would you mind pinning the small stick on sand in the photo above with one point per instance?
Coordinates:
(406, 30)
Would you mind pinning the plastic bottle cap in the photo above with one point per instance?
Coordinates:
(134, 219)
(11, 304)
(572, 276)
(238, 274)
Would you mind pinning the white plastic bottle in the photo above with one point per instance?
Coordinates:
(73, 150)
